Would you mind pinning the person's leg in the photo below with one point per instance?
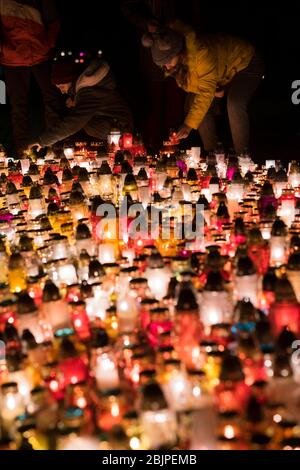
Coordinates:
(51, 95)
(17, 84)
(240, 91)
(99, 127)
(208, 131)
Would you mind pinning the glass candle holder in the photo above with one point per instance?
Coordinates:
(110, 410)
(159, 426)
(12, 405)
(80, 320)
(127, 314)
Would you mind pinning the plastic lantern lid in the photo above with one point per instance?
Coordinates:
(29, 339)
(67, 175)
(186, 300)
(119, 158)
(231, 369)
(142, 175)
(285, 340)
(27, 181)
(130, 183)
(86, 290)
(153, 398)
(222, 211)
(270, 280)
(67, 348)
(25, 304)
(245, 266)
(50, 177)
(50, 292)
(214, 282)
(95, 269)
(284, 291)
(35, 192)
(245, 312)
(237, 178)
(100, 338)
(126, 168)
(83, 175)
(76, 197)
(279, 228)
(104, 169)
(83, 232)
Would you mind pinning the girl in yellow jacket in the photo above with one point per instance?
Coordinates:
(208, 67)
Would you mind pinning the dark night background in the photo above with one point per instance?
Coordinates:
(93, 24)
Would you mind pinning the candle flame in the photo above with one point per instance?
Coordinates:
(229, 432)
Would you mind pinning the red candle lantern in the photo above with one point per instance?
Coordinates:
(285, 311)
(80, 320)
(127, 141)
(72, 369)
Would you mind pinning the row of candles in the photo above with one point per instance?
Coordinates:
(116, 342)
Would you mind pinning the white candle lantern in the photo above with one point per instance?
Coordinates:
(265, 228)
(158, 281)
(67, 274)
(287, 211)
(106, 372)
(144, 195)
(178, 391)
(36, 208)
(127, 313)
(25, 163)
(60, 248)
(293, 273)
(114, 138)
(55, 309)
(159, 426)
(12, 405)
(28, 318)
(294, 174)
(193, 157)
(246, 285)
(277, 251)
(74, 442)
(129, 253)
(214, 186)
(24, 383)
(97, 305)
(270, 164)
(106, 253)
(69, 152)
(215, 308)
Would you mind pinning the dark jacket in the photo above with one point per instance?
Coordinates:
(28, 31)
(98, 105)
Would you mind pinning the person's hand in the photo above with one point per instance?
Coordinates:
(70, 103)
(220, 93)
(183, 132)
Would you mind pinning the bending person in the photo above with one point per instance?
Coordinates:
(209, 67)
(94, 101)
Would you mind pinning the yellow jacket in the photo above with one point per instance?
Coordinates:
(212, 62)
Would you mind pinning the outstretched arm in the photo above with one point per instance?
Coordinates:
(79, 116)
(205, 89)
